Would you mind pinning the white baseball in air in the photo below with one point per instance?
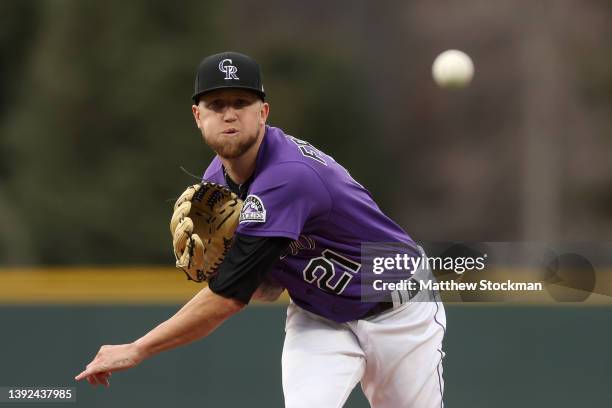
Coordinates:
(453, 69)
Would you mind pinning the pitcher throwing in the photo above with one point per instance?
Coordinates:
(301, 226)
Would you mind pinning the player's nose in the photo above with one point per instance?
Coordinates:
(229, 114)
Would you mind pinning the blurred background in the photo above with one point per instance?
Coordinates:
(95, 123)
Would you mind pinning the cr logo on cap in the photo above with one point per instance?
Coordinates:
(230, 70)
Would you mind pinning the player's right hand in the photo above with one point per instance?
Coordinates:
(109, 359)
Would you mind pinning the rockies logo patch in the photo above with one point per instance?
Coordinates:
(253, 210)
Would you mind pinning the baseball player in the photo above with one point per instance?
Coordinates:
(301, 227)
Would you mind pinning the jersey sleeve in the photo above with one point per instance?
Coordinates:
(246, 265)
(283, 200)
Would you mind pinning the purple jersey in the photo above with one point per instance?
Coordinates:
(300, 193)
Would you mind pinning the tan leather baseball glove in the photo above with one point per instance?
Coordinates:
(203, 224)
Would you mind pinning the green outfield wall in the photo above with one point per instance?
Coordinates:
(497, 356)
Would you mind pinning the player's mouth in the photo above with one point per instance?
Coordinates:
(230, 131)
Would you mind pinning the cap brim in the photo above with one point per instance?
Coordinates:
(258, 92)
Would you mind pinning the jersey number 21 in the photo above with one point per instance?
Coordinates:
(323, 269)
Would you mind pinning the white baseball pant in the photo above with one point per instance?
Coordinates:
(397, 356)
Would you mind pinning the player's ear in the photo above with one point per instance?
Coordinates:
(265, 111)
(196, 115)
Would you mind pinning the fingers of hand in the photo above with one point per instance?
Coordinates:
(84, 374)
(99, 379)
(109, 358)
(91, 373)
(90, 368)
(96, 373)
(103, 379)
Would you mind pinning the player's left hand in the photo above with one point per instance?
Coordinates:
(110, 359)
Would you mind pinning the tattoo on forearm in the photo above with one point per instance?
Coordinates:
(268, 291)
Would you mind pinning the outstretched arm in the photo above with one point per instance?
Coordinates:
(198, 318)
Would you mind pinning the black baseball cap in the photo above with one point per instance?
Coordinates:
(228, 70)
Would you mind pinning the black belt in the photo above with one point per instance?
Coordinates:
(378, 309)
(385, 305)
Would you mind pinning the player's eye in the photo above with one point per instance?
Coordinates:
(241, 103)
(216, 105)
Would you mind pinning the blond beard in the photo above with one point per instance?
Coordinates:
(233, 148)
